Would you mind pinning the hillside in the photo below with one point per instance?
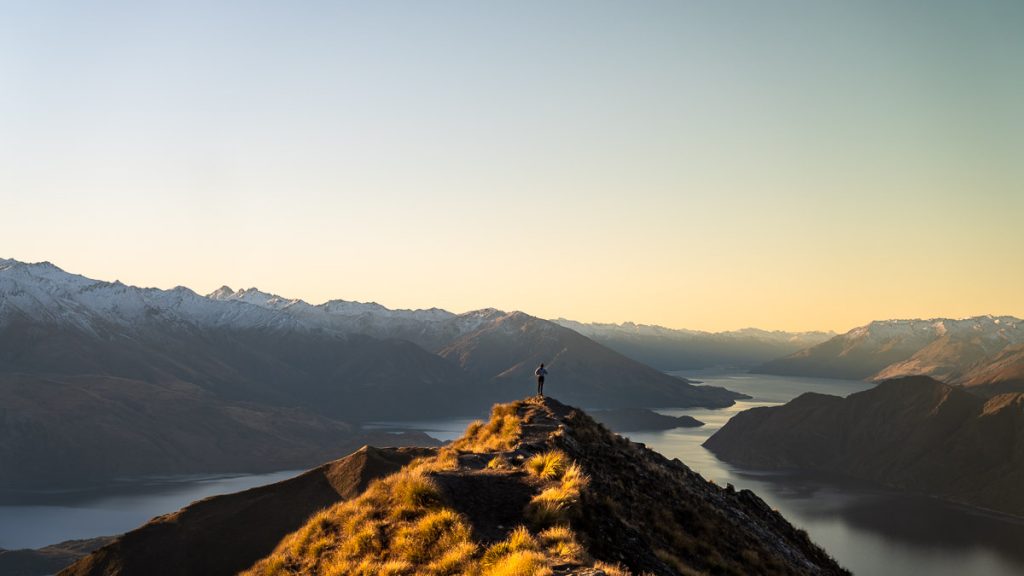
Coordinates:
(226, 534)
(913, 433)
(953, 351)
(671, 349)
(543, 489)
(506, 350)
(68, 431)
(500, 350)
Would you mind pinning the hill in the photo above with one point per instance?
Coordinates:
(967, 352)
(672, 349)
(539, 489)
(913, 433)
(49, 559)
(226, 534)
(507, 349)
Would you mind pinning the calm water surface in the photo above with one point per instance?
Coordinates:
(42, 518)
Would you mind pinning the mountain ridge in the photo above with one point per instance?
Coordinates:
(956, 351)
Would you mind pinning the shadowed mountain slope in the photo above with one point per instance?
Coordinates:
(913, 433)
(506, 351)
(226, 534)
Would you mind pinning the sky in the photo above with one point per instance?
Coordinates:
(711, 165)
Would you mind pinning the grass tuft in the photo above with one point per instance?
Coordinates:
(547, 465)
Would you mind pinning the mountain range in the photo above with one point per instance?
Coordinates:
(912, 432)
(101, 380)
(672, 349)
(985, 353)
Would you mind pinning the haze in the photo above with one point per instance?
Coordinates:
(712, 165)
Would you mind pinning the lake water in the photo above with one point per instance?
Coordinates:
(870, 530)
(33, 520)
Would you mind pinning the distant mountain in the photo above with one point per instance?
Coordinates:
(671, 349)
(508, 349)
(968, 352)
(100, 379)
(49, 559)
(541, 489)
(500, 350)
(913, 432)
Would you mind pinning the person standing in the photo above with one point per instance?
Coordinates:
(541, 373)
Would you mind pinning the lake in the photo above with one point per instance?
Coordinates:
(36, 519)
(868, 529)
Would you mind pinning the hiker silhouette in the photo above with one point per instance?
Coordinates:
(541, 372)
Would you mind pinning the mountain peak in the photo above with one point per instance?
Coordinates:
(222, 293)
(546, 489)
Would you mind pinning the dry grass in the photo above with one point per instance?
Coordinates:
(447, 458)
(522, 563)
(500, 433)
(397, 526)
(499, 462)
(560, 542)
(402, 525)
(548, 465)
(559, 503)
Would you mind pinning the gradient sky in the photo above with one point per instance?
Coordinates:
(713, 165)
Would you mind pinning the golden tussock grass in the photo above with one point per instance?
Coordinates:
(500, 433)
(556, 504)
(402, 525)
(547, 465)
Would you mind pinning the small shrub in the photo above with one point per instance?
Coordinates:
(548, 465)
(560, 541)
(411, 493)
(573, 479)
(453, 561)
(546, 512)
(519, 540)
(430, 536)
(501, 432)
(521, 563)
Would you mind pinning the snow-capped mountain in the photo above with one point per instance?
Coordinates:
(955, 351)
(46, 294)
(171, 381)
(675, 349)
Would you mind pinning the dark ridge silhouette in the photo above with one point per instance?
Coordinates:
(226, 534)
(913, 433)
